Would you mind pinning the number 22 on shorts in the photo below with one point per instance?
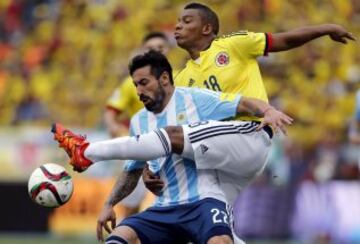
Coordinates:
(219, 216)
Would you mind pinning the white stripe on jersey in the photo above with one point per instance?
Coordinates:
(191, 111)
(152, 122)
(179, 167)
(135, 124)
(181, 177)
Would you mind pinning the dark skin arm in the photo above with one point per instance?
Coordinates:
(271, 116)
(291, 39)
(152, 181)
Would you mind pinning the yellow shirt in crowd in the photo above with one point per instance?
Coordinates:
(125, 98)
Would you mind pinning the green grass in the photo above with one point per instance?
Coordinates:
(52, 239)
(45, 239)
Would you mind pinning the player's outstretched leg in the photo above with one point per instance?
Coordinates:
(152, 145)
(148, 146)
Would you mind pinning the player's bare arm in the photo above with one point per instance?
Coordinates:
(271, 116)
(124, 185)
(297, 37)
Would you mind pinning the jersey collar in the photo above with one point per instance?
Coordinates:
(202, 55)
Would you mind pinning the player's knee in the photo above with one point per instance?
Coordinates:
(123, 234)
(176, 136)
(223, 239)
(115, 239)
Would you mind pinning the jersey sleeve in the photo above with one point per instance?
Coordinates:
(215, 105)
(133, 164)
(120, 98)
(249, 44)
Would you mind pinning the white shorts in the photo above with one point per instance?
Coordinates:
(234, 148)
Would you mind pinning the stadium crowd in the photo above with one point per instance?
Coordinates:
(62, 59)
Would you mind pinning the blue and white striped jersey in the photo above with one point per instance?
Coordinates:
(183, 182)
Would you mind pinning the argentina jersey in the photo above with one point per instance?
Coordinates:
(183, 182)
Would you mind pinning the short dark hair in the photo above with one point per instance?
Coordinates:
(157, 61)
(154, 34)
(207, 14)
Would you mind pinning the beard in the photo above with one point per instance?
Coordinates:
(154, 104)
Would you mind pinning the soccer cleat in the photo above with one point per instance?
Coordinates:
(74, 145)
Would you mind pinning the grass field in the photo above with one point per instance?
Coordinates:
(45, 239)
(21, 238)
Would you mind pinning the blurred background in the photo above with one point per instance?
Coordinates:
(62, 60)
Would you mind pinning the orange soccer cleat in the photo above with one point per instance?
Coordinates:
(74, 145)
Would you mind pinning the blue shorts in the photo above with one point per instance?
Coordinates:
(196, 222)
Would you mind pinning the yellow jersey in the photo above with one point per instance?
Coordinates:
(229, 65)
(125, 98)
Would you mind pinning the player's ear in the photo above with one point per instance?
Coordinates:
(207, 29)
(165, 78)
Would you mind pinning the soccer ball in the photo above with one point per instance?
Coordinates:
(50, 185)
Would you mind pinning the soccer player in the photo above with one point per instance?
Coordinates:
(122, 105)
(187, 187)
(228, 63)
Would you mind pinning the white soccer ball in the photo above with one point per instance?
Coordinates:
(50, 185)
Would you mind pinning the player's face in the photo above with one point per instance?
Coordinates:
(150, 91)
(189, 28)
(157, 44)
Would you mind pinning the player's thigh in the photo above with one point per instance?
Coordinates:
(126, 233)
(151, 226)
(230, 187)
(233, 146)
(208, 219)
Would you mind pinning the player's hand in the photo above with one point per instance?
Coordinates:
(152, 181)
(340, 34)
(107, 215)
(276, 119)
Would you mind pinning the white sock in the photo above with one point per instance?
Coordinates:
(145, 147)
(237, 240)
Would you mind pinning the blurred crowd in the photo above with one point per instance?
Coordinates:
(62, 59)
